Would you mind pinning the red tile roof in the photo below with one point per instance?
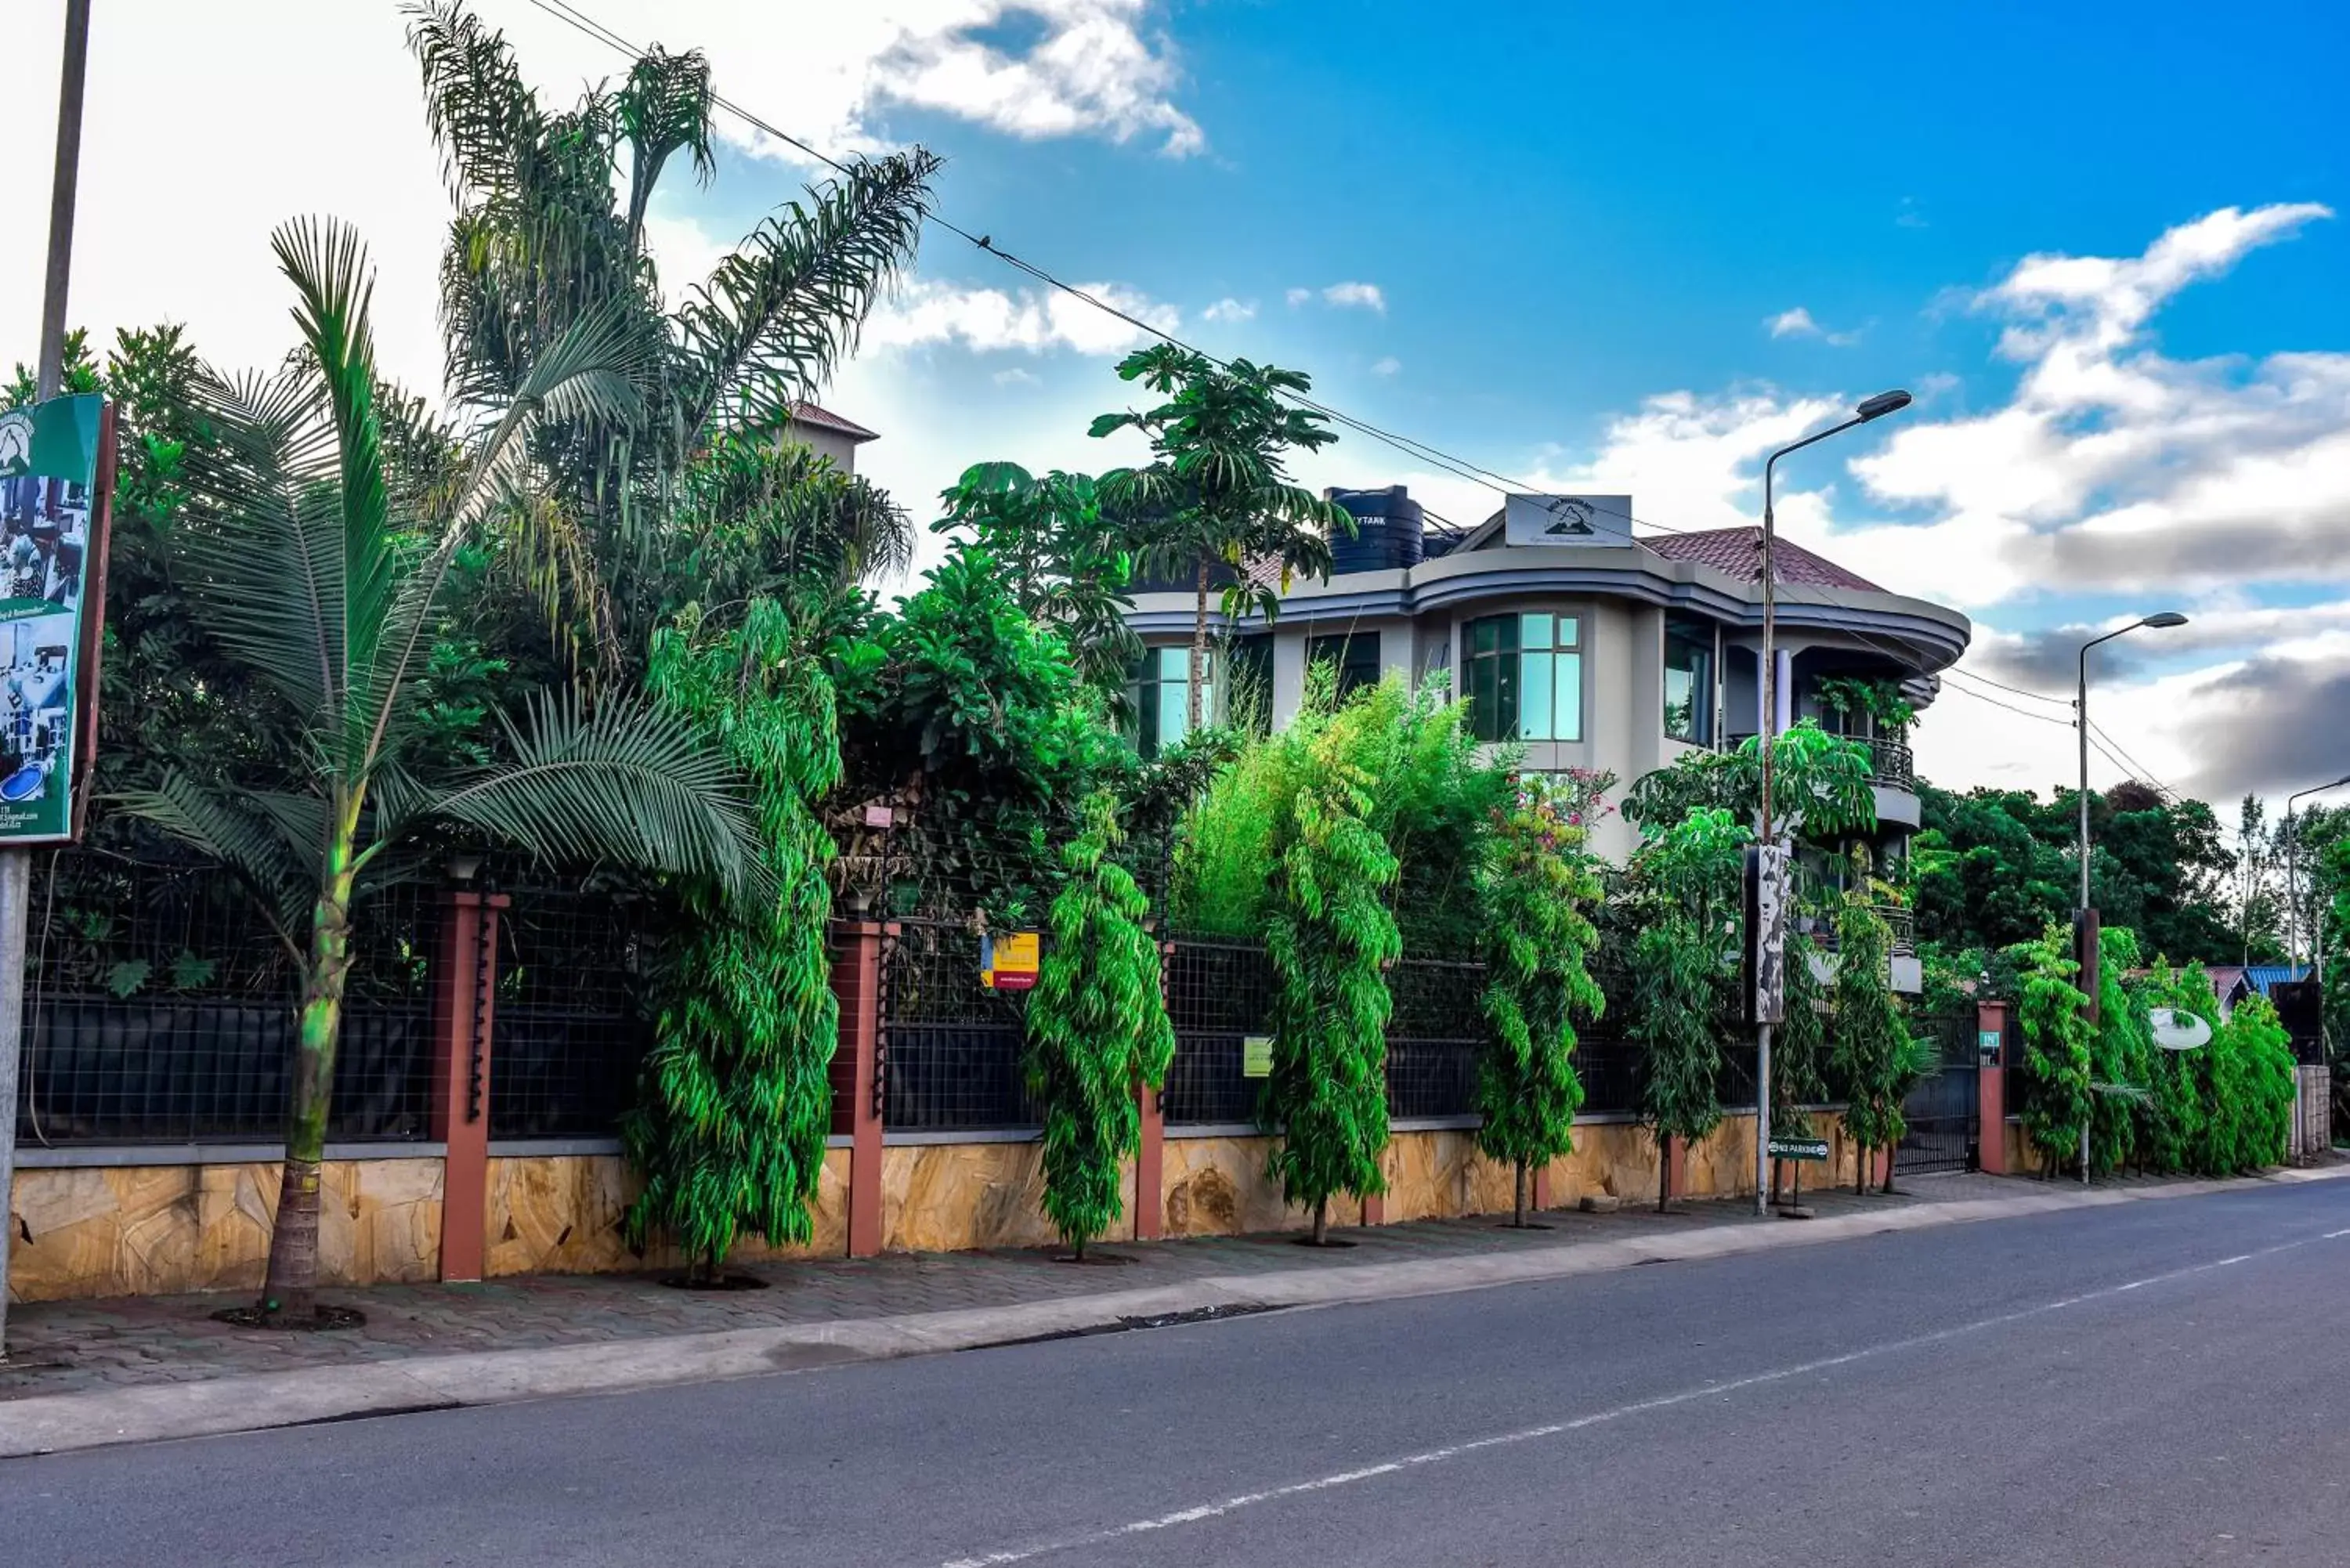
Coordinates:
(1738, 552)
(807, 413)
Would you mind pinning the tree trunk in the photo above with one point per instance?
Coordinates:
(1664, 1174)
(1892, 1153)
(1196, 689)
(293, 1279)
(1860, 1173)
(1081, 1250)
(1520, 1221)
(1322, 1223)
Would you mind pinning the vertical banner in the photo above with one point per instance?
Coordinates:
(1767, 869)
(52, 537)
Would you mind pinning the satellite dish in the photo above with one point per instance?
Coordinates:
(2178, 1031)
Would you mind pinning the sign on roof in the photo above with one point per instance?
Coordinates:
(1567, 520)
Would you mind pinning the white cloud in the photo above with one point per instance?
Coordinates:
(990, 320)
(1016, 376)
(1297, 296)
(1387, 367)
(1230, 309)
(1798, 323)
(1356, 295)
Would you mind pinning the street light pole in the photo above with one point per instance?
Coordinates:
(2292, 873)
(1874, 408)
(2087, 945)
(16, 865)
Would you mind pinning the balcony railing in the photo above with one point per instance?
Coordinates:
(1901, 921)
(1890, 764)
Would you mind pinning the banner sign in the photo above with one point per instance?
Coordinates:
(1567, 520)
(53, 496)
(1007, 962)
(1767, 869)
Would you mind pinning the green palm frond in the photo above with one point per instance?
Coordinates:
(663, 110)
(780, 311)
(253, 844)
(626, 780)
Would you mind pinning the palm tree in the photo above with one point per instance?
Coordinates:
(1217, 490)
(303, 567)
(538, 243)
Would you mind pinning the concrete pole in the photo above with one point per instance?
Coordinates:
(16, 865)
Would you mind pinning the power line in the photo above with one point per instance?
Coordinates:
(2003, 686)
(2018, 712)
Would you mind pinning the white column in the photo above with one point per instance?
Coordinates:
(1782, 691)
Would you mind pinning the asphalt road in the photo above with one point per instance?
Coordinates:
(2151, 1385)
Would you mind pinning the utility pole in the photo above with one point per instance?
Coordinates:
(16, 863)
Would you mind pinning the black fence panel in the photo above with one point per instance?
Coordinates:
(574, 1017)
(161, 1008)
(1434, 1037)
(950, 1047)
(1609, 1070)
(1941, 1111)
(1218, 994)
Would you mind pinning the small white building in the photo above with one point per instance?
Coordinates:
(827, 435)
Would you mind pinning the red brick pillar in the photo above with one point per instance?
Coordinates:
(464, 991)
(1677, 1152)
(1990, 1091)
(1149, 1168)
(1375, 1208)
(857, 1072)
(1541, 1185)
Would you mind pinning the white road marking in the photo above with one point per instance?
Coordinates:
(1208, 1511)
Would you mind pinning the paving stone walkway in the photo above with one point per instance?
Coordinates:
(63, 1347)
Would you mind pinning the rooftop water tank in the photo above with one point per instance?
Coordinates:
(1387, 525)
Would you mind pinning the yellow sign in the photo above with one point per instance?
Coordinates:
(1256, 1055)
(1008, 963)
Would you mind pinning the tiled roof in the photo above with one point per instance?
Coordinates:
(1738, 552)
(807, 413)
(2265, 975)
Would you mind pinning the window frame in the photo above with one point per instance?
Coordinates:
(1497, 680)
(1705, 707)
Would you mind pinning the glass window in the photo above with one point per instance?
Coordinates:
(1356, 655)
(1689, 679)
(1524, 676)
(1161, 690)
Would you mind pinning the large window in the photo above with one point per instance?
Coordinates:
(1161, 693)
(1356, 655)
(1524, 676)
(1689, 679)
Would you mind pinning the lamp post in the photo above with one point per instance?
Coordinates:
(2085, 934)
(1874, 408)
(2292, 873)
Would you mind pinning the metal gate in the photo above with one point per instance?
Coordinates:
(1943, 1113)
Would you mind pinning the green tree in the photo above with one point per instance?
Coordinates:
(1331, 935)
(2176, 1112)
(1819, 785)
(1096, 1029)
(1218, 488)
(1683, 961)
(2121, 1051)
(2056, 1036)
(735, 1099)
(1535, 882)
(1872, 1037)
(300, 569)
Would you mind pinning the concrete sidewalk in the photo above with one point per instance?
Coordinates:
(87, 1374)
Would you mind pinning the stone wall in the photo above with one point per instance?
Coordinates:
(157, 1229)
(562, 1214)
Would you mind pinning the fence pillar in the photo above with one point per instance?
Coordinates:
(464, 994)
(857, 984)
(1375, 1208)
(1541, 1185)
(1991, 1090)
(1149, 1168)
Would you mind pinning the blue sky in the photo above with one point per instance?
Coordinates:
(1567, 229)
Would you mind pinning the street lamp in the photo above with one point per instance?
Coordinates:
(2158, 621)
(2293, 873)
(2086, 940)
(1875, 407)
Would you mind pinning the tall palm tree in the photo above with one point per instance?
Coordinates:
(540, 240)
(1217, 490)
(304, 567)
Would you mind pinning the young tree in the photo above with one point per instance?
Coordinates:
(1096, 1029)
(2056, 1034)
(1218, 488)
(1684, 960)
(1331, 936)
(2121, 1068)
(301, 566)
(1535, 881)
(735, 1097)
(2176, 1109)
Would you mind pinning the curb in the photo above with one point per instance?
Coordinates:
(59, 1423)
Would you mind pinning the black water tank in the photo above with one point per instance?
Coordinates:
(1386, 531)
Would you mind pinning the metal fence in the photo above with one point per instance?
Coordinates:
(950, 1047)
(573, 1019)
(161, 1008)
(1218, 994)
(1434, 1036)
(1942, 1110)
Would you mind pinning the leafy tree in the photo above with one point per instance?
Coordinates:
(2056, 1036)
(1535, 881)
(549, 232)
(2121, 1065)
(1331, 935)
(300, 569)
(1684, 960)
(1875, 1055)
(735, 1097)
(2173, 1134)
(2250, 1090)
(1218, 487)
(1096, 1028)
(1819, 785)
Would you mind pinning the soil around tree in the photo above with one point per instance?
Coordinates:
(322, 1320)
(713, 1283)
